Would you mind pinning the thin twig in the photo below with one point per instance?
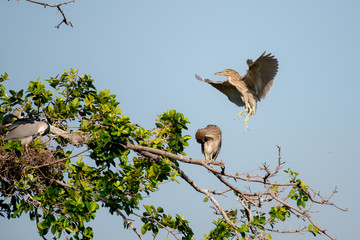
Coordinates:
(126, 220)
(206, 192)
(50, 5)
(59, 9)
(61, 160)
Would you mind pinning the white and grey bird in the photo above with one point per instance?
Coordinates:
(210, 140)
(26, 130)
(12, 117)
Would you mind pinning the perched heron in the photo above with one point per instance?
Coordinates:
(26, 130)
(210, 140)
(251, 88)
(10, 118)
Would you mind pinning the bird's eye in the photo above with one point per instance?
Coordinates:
(226, 71)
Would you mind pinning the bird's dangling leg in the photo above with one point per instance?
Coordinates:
(247, 118)
(241, 113)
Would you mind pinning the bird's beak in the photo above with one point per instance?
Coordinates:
(219, 73)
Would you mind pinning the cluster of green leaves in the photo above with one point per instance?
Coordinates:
(155, 219)
(170, 126)
(6, 101)
(3, 77)
(279, 212)
(224, 230)
(314, 230)
(113, 178)
(299, 192)
(15, 146)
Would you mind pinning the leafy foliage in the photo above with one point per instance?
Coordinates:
(155, 219)
(63, 196)
(62, 192)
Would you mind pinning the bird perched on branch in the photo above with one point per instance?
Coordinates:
(210, 140)
(252, 87)
(11, 117)
(26, 130)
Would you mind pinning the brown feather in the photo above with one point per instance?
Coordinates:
(260, 76)
(210, 139)
(252, 87)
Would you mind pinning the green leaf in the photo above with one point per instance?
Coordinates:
(144, 228)
(53, 229)
(148, 209)
(243, 228)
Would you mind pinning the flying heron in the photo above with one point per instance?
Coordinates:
(252, 87)
(26, 130)
(210, 140)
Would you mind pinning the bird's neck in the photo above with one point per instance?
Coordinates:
(240, 85)
(235, 80)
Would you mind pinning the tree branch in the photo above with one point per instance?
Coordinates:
(75, 139)
(191, 182)
(246, 198)
(126, 220)
(138, 148)
(50, 5)
(59, 9)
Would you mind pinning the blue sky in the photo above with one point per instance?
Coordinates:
(147, 52)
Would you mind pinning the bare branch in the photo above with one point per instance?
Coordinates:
(246, 198)
(278, 167)
(59, 9)
(323, 200)
(126, 220)
(320, 229)
(75, 139)
(138, 148)
(50, 5)
(206, 192)
(64, 19)
(66, 185)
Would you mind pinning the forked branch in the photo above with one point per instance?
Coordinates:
(274, 192)
(58, 6)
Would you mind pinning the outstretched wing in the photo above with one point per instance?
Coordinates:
(260, 76)
(226, 88)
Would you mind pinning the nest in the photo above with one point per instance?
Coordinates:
(35, 167)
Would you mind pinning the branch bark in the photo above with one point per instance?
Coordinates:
(58, 6)
(138, 148)
(50, 5)
(75, 139)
